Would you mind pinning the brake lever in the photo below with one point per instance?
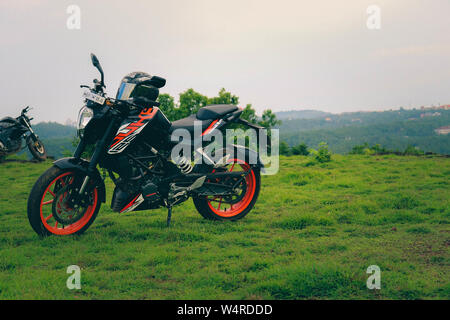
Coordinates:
(84, 86)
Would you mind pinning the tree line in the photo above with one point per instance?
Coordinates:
(302, 149)
(190, 101)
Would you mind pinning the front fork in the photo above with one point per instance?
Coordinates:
(30, 129)
(98, 152)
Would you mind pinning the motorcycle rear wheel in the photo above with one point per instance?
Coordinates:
(234, 208)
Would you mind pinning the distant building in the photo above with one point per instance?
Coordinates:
(328, 119)
(442, 107)
(429, 114)
(443, 130)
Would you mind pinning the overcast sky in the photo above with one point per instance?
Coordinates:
(283, 54)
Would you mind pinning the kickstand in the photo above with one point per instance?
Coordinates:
(169, 215)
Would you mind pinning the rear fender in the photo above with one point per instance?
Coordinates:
(81, 165)
(236, 151)
(246, 154)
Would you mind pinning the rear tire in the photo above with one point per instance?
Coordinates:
(40, 205)
(210, 212)
(36, 148)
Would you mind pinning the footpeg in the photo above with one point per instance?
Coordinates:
(197, 183)
(177, 192)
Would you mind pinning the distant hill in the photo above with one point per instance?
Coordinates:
(57, 138)
(301, 114)
(392, 129)
(51, 130)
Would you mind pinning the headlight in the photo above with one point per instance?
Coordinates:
(84, 116)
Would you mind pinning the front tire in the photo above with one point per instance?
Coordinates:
(45, 216)
(36, 148)
(217, 208)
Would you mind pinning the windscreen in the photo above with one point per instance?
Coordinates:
(125, 90)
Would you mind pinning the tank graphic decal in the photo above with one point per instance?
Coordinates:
(129, 131)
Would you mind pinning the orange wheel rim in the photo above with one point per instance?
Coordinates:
(228, 210)
(46, 212)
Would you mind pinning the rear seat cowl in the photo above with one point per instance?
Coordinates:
(215, 111)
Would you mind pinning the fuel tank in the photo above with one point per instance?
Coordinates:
(150, 126)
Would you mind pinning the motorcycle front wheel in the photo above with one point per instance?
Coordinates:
(36, 148)
(49, 211)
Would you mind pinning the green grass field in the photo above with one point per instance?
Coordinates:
(312, 235)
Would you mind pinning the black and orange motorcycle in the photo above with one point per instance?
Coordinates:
(133, 142)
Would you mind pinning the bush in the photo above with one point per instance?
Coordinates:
(374, 150)
(413, 151)
(285, 150)
(323, 155)
(300, 150)
(379, 150)
(359, 149)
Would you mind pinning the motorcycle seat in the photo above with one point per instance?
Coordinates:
(215, 111)
(204, 117)
(188, 123)
(8, 120)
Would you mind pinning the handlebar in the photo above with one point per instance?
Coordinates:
(98, 86)
(25, 110)
(123, 103)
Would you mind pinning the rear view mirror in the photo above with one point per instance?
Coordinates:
(96, 64)
(94, 60)
(157, 81)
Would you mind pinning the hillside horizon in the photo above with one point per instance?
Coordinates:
(303, 113)
(393, 129)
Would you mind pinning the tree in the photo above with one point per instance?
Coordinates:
(224, 97)
(269, 119)
(167, 106)
(190, 102)
(249, 114)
